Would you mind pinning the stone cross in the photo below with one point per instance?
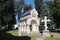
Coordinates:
(45, 22)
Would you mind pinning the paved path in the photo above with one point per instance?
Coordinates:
(52, 33)
(55, 34)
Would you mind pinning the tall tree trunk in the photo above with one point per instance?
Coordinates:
(7, 25)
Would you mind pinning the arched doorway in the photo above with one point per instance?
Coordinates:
(30, 27)
(33, 24)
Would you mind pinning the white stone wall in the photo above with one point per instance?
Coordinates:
(25, 24)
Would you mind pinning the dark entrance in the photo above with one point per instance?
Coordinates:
(30, 27)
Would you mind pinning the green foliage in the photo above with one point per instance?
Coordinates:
(55, 12)
(38, 6)
(7, 18)
(27, 7)
(53, 38)
(7, 12)
(13, 32)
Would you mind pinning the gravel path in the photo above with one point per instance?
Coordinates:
(55, 34)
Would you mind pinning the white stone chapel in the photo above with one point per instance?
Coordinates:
(29, 22)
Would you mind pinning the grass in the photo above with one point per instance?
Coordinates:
(52, 38)
(33, 37)
(13, 32)
(12, 35)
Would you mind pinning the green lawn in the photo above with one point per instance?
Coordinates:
(33, 37)
(52, 38)
(13, 32)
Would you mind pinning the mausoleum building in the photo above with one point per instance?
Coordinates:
(29, 22)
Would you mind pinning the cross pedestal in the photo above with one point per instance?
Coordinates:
(46, 32)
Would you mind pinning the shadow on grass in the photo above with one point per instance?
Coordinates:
(7, 36)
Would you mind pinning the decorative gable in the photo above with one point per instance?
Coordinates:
(34, 13)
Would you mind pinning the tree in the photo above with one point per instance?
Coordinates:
(55, 12)
(18, 7)
(1, 9)
(7, 12)
(38, 6)
(27, 7)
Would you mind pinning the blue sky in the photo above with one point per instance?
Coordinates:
(30, 2)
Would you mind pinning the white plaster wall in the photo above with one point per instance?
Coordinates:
(19, 29)
(29, 18)
(33, 18)
(33, 27)
(28, 29)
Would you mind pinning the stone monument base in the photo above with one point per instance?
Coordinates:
(46, 33)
